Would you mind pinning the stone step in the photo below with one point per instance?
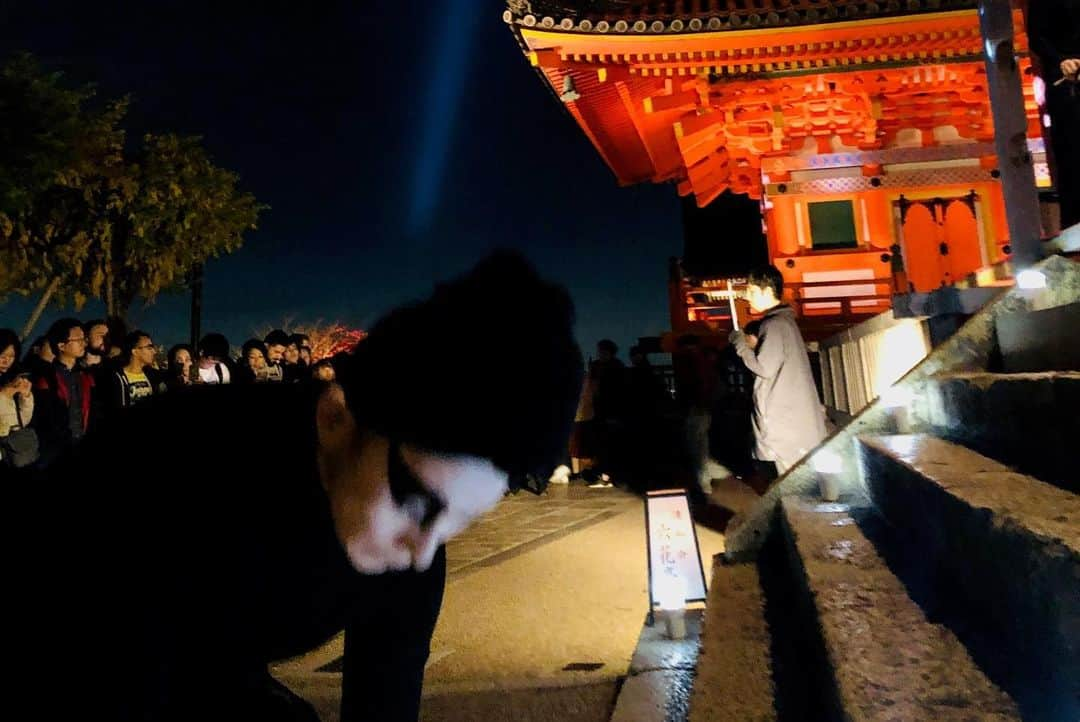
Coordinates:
(883, 659)
(1029, 421)
(734, 681)
(1038, 338)
(994, 552)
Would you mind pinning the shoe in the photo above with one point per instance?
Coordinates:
(561, 475)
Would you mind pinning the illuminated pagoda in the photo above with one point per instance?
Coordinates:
(862, 127)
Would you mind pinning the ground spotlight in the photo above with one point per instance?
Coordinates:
(1030, 279)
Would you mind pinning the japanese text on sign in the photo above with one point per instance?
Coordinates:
(673, 546)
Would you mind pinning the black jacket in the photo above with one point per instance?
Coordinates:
(1054, 33)
(205, 552)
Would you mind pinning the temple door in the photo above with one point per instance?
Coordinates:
(961, 237)
(922, 239)
(941, 241)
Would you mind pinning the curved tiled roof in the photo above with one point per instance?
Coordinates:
(630, 17)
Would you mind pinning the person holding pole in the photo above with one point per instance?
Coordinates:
(1054, 34)
(788, 417)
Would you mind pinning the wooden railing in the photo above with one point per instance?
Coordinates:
(882, 300)
(858, 364)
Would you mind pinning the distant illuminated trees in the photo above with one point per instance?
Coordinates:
(327, 339)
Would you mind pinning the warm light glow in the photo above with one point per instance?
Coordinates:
(898, 350)
(985, 276)
(827, 462)
(671, 591)
(1030, 279)
(903, 445)
(1038, 87)
(895, 397)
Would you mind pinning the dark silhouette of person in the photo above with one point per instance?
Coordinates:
(165, 593)
(608, 376)
(1054, 35)
(695, 379)
(646, 400)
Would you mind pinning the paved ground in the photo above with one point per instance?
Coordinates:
(524, 521)
(544, 605)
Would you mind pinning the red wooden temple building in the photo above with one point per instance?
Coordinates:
(862, 127)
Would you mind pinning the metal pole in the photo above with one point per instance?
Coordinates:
(731, 300)
(196, 305)
(1010, 132)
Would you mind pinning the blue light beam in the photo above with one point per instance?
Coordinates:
(449, 68)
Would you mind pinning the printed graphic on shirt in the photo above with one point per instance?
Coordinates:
(139, 387)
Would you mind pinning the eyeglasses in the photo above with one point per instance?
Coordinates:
(421, 504)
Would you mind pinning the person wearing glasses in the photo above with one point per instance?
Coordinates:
(131, 383)
(227, 543)
(63, 395)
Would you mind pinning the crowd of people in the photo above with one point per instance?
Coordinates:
(80, 374)
(620, 416)
(631, 427)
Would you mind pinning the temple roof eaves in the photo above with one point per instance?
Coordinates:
(632, 17)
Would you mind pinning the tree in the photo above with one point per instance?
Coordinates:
(332, 339)
(61, 170)
(41, 121)
(183, 211)
(81, 218)
(327, 339)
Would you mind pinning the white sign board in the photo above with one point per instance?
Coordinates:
(674, 557)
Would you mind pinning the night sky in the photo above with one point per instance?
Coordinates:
(394, 142)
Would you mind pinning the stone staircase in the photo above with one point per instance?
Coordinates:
(945, 583)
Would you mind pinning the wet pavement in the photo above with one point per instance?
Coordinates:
(545, 601)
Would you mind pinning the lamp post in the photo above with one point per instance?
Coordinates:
(1010, 131)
